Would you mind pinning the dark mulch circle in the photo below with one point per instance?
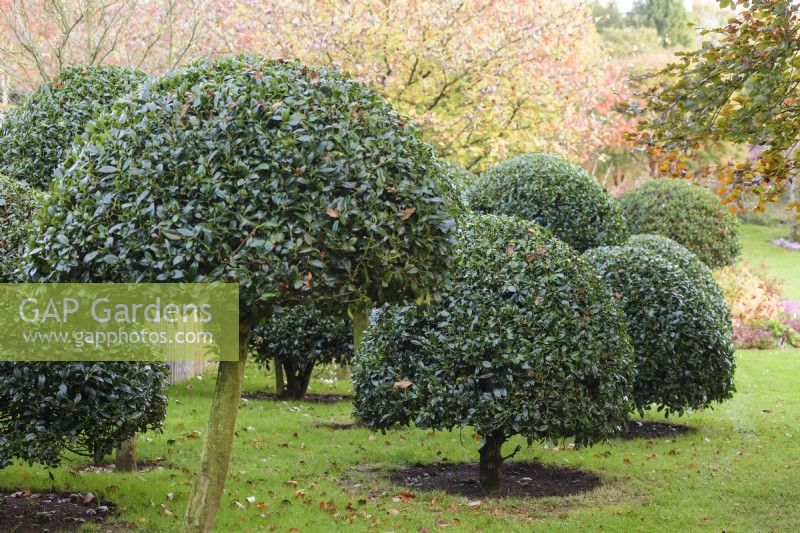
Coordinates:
(520, 479)
(643, 429)
(53, 511)
(311, 398)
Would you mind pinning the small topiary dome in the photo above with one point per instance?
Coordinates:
(526, 341)
(555, 194)
(86, 408)
(689, 214)
(36, 135)
(678, 321)
(18, 205)
(298, 338)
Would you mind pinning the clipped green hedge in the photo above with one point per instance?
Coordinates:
(555, 194)
(298, 338)
(86, 408)
(526, 341)
(292, 181)
(36, 135)
(18, 205)
(678, 321)
(689, 214)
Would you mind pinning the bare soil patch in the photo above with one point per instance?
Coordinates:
(520, 479)
(26, 512)
(643, 429)
(312, 397)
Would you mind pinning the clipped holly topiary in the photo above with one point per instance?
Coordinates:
(689, 214)
(555, 194)
(86, 408)
(36, 135)
(296, 183)
(18, 204)
(678, 321)
(295, 340)
(525, 341)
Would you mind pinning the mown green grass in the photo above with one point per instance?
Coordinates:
(738, 472)
(784, 264)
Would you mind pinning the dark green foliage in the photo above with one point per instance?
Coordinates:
(678, 321)
(86, 408)
(36, 135)
(298, 338)
(527, 340)
(555, 194)
(686, 213)
(668, 17)
(286, 179)
(18, 204)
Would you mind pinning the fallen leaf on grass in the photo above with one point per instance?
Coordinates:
(393, 512)
(193, 435)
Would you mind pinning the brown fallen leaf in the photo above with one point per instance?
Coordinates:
(403, 384)
(393, 512)
(407, 212)
(332, 212)
(193, 435)
(626, 461)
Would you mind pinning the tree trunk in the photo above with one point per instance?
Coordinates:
(491, 461)
(360, 318)
(218, 446)
(125, 460)
(297, 380)
(279, 386)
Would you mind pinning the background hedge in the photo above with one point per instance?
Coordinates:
(555, 194)
(36, 135)
(689, 214)
(18, 205)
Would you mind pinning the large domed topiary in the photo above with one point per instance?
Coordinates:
(36, 135)
(18, 205)
(295, 340)
(297, 183)
(689, 214)
(525, 341)
(555, 194)
(678, 321)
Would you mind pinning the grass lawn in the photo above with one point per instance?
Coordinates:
(785, 264)
(738, 472)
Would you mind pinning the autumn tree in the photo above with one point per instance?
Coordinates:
(739, 87)
(40, 38)
(484, 79)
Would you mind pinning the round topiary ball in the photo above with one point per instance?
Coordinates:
(526, 340)
(555, 194)
(86, 408)
(289, 180)
(678, 321)
(689, 214)
(36, 135)
(18, 205)
(298, 338)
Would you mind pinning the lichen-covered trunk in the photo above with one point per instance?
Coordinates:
(125, 460)
(360, 318)
(218, 446)
(279, 385)
(491, 462)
